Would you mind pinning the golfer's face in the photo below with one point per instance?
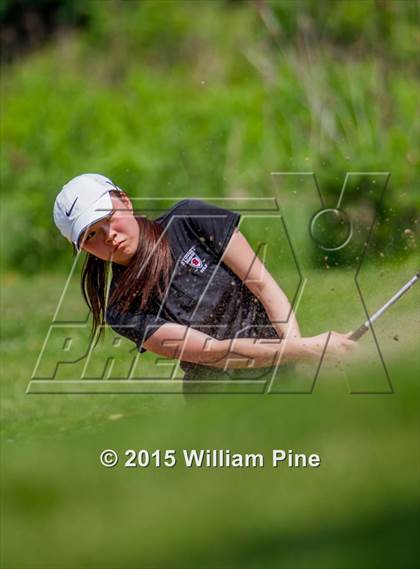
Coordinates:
(115, 237)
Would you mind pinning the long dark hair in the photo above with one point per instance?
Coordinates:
(147, 275)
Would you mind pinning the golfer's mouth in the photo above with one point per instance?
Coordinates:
(118, 246)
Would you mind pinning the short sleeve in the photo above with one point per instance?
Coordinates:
(213, 225)
(136, 326)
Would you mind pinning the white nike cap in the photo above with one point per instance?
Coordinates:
(82, 201)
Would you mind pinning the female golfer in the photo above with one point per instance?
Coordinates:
(186, 285)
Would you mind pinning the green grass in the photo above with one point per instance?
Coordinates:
(359, 509)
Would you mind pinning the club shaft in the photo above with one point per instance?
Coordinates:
(365, 327)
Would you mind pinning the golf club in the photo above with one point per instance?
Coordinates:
(365, 327)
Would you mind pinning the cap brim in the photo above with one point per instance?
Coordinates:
(99, 210)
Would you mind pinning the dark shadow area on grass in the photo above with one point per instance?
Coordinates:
(383, 542)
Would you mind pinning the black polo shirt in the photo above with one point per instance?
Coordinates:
(204, 293)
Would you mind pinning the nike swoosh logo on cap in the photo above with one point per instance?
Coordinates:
(68, 213)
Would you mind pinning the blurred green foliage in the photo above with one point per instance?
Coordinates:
(207, 99)
(358, 510)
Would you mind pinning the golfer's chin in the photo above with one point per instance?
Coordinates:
(123, 255)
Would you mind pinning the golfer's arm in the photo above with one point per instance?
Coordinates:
(186, 344)
(241, 259)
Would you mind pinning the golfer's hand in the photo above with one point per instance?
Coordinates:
(338, 345)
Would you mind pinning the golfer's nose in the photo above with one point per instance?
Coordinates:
(110, 234)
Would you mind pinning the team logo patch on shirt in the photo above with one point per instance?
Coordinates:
(191, 258)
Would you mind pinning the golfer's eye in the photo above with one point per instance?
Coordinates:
(90, 235)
